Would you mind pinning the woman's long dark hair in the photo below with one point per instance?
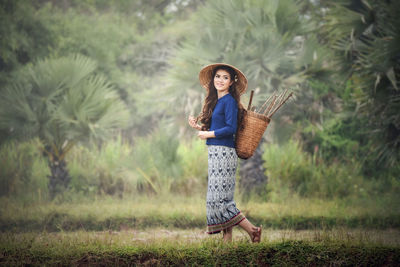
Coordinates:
(212, 97)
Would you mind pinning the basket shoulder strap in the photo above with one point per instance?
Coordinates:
(241, 114)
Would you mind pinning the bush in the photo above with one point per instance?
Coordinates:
(102, 169)
(292, 171)
(23, 171)
(156, 164)
(156, 159)
(194, 159)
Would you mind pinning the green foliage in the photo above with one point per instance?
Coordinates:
(316, 107)
(145, 14)
(103, 37)
(123, 37)
(194, 163)
(108, 169)
(292, 171)
(323, 119)
(61, 101)
(366, 39)
(154, 164)
(331, 141)
(23, 172)
(159, 164)
(130, 40)
(24, 36)
(101, 169)
(157, 160)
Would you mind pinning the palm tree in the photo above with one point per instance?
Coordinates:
(365, 36)
(268, 40)
(62, 102)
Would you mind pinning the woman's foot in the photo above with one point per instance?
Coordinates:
(256, 235)
(254, 232)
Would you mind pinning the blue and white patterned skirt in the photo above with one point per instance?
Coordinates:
(221, 208)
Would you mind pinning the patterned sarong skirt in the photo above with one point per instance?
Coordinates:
(221, 208)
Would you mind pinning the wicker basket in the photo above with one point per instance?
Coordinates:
(249, 133)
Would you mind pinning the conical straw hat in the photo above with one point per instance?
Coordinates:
(206, 73)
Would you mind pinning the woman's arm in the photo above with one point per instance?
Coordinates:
(206, 134)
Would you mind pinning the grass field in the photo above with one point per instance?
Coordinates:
(162, 247)
(170, 231)
(179, 212)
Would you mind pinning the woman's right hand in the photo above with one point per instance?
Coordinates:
(193, 123)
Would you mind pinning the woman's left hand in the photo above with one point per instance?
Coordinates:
(206, 134)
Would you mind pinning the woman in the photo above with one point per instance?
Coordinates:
(224, 84)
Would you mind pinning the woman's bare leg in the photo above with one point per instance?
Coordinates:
(253, 231)
(228, 234)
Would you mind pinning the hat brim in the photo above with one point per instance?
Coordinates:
(205, 76)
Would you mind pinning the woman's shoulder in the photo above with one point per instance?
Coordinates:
(227, 98)
(229, 102)
(231, 99)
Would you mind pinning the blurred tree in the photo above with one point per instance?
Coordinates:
(147, 14)
(366, 38)
(130, 40)
(61, 101)
(23, 36)
(270, 41)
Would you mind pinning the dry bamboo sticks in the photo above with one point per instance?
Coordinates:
(266, 102)
(272, 104)
(280, 105)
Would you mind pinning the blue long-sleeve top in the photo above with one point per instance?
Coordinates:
(224, 122)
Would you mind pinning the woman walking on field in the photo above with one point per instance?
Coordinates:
(224, 84)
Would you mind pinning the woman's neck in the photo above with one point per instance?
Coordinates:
(223, 93)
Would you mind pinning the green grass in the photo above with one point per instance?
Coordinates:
(169, 230)
(183, 212)
(190, 247)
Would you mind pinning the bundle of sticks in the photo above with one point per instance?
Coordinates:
(253, 124)
(271, 105)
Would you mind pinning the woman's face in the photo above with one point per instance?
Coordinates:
(222, 80)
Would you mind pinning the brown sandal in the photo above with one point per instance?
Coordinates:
(256, 238)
